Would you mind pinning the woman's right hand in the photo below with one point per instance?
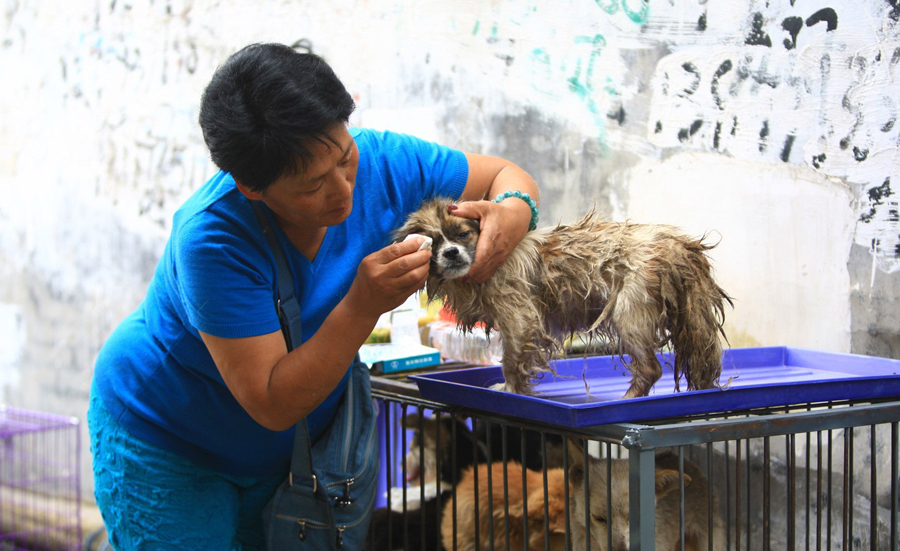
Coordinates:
(386, 278)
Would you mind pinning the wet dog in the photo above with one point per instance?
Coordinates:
(604, 520)
(641, 286)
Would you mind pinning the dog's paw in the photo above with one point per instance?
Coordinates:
(506, 387)
(500, 387)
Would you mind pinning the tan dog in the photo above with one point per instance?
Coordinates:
(642, 286)
(516, 503)
(668, 506)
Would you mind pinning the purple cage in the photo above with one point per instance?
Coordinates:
(40, 483)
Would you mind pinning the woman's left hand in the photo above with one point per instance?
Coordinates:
(502, 224)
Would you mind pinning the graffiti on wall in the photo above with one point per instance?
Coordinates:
(147, 133)
(801, 86)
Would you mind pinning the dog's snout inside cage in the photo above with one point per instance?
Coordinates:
(806, 477)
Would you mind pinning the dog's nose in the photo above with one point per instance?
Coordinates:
(451, 253)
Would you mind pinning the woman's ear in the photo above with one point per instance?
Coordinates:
(247, 192)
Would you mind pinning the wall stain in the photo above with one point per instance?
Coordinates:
(876, 198)
(763, 136)
(786, 150)
(825, 14)
(685, 133)
(714, 85)
(617, 115)
(792, 25)
(895, 9)
(695, 83)
(758, 36)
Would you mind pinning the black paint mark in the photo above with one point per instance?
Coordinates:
(818, 160)
(734, 126)
(895, 10)
(825, 14)
(759, 76)
(860, 154)
(701, 23)
(786, 150)
(508, 59)
(763, 135)
(876, 198)
(878, 56)
(896, 57)
(618, 115)
(716, 135)
(685, 133)
(893, 216)
(897, 246)
(844, 143)
(692, 69)
(758, 36)
(714, 86)
(886, 127)
(792, 25)
(658, 128)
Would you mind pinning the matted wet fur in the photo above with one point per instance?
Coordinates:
(642, 286)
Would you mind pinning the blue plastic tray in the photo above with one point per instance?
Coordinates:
(760, 377)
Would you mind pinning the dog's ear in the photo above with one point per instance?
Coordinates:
(411, 226)
(667, 480)
(576, 450)
(576, 474)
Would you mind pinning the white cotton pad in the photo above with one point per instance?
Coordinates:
(425, 245)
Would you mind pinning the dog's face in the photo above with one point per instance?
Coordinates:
(453, 238)
(615, 490)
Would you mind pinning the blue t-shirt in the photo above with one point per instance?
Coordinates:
(217, 275)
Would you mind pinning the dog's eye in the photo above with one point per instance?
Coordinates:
(463, 235)
(599, 518)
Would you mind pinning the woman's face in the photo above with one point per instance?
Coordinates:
(322, 194)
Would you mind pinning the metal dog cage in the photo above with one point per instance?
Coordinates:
(809, 476)
(40, 483)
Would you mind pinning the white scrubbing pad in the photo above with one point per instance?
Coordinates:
(425, 245)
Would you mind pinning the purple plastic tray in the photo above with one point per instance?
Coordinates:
(760, 377)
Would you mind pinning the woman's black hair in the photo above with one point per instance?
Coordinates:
(262, 108)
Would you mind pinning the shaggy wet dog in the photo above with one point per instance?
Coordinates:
(642, 286)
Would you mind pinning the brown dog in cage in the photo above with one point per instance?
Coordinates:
(642, 286)
(502, 506)
(604, 519)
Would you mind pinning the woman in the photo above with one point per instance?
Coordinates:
(195, 393)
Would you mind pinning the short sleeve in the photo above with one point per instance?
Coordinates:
(224, 277)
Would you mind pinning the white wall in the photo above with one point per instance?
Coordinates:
(771, 124)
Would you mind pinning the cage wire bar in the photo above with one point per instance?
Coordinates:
(40, 484)
(809, 476)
